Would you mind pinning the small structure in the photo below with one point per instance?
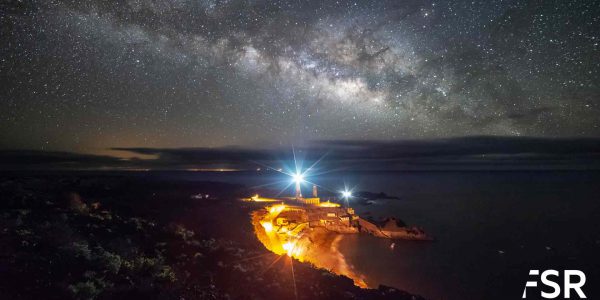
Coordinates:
(313, 201)
(297, 214)
(298, 190)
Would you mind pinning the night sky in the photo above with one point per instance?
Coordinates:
(86, 76)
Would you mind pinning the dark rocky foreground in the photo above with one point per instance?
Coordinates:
(116, 236)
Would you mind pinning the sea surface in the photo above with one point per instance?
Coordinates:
(490, 228)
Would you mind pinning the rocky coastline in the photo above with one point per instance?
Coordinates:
(124, 236)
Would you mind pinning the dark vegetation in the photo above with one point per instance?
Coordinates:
(68, 236)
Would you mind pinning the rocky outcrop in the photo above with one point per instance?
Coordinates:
(392, 228)
(341, 229)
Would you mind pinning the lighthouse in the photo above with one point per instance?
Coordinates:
(298, 179)
(298, 191)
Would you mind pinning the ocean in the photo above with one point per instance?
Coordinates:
(490, 228)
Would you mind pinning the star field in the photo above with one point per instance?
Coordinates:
(89, 75)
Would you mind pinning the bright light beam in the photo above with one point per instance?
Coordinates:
(316, 162)
(298, 178)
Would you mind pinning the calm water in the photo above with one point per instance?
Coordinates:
(490, 229)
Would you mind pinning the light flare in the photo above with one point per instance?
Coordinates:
(298, 178)
(268, 226)
(276, 209)
(289, 247)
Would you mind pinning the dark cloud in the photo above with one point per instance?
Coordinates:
(54, 160)
(479, 153)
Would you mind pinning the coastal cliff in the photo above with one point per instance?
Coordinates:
(115, 236)
(312, 234)
(392, 228)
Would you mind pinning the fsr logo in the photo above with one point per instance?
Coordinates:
(573, 280)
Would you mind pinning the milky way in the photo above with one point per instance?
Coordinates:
(88, 75)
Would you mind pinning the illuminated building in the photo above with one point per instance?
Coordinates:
(298, 179)
(302, 227)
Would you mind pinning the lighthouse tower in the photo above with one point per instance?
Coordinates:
(298, 191)
(315, 194)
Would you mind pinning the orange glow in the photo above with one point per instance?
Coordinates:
(329, 204)
(257, 198)
(296, 239)
(289, 247)
(276, 209)
(268, 226)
